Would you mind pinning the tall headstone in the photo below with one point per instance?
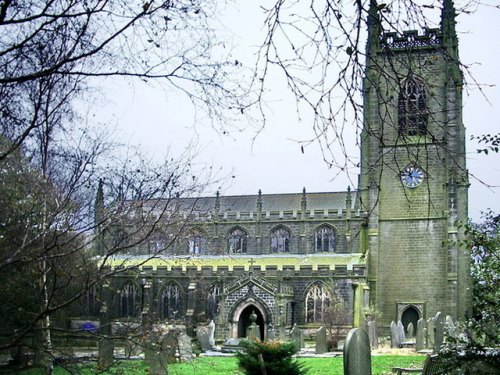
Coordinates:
(430, 333)
(357, 355)
(401, 332)
(395, 336)
(321, 345)
(438, 330)
(155, 354)
(371, 328)
(105, 345)
(211, 333)
(253, 330)
(421, 331)
(410, 330)
(450, 326)
(297, 337)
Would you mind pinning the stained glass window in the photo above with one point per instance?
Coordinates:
(129, 301)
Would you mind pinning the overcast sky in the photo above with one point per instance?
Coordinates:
(160, 121)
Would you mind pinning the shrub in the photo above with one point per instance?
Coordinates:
(273, 356)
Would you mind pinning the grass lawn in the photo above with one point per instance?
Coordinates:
(228, 365)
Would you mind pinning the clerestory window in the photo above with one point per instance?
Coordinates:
(324, 239)
(237, 241)
(280, 240)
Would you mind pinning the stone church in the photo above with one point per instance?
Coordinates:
(389, 246)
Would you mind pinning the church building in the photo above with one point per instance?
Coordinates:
(389, 247)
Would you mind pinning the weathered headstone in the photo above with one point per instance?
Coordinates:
(169, 345)
(401, 332)
(185, 348)
(321, 345)
(438, 330)
(450, 326)
(357, 355)
(203, 336)
(371, 328)
(421, 331)
(253, 330)
(270, 333)
(154, 353)
(430, 333)
(297, 337)
(211, 333)
(105, 345)
(410, 330)
(395, 336)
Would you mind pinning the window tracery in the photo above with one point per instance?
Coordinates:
(318, 298)
(280, 240)
(171, 302)
(213, 301)
(129, 301)
(237, 241)
(196, 243)
(412, 108)
(325, 239)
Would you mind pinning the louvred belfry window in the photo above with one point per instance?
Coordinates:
(412, 108)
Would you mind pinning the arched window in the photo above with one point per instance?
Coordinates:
(91, 305)
(412, 108)
(280, 240)
(324, 239)
(318, 298)
(196, 243)
(237, 241)
(129, 301)
(213, 302)
(171, 304)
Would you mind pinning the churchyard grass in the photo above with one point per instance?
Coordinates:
(381, 365)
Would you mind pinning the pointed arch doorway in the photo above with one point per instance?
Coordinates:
(241, 318)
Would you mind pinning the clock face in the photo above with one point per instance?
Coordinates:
(412, 176)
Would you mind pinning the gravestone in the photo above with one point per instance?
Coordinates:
(203, 336)
(395, 336)
(155, 354)
(401, 332)
(450, 326)
(211, 333)
(253, 330)
(169, 345)
(357, 355)
(371, 328)
(105, 345)
(430, 333)
(438, 331)
(410, 330)
(421, 331)
(270, 333)
(321, 345)
(185, 348)
(297, 337)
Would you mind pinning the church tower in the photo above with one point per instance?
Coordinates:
(414, 181)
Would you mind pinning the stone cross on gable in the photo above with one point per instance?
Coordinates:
(250, 268)
(251, 261)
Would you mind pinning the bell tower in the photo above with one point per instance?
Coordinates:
(413, 180)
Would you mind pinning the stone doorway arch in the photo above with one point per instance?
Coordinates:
(240, 318)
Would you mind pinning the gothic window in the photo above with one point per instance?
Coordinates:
(91, 305)
(324, 239)
(171, 304)
(213, 302)
(129, 301)
(318, 298)
(237, 241)
(412, 108)
(280, 240)
(196, 243)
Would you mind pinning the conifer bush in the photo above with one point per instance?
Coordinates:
(274, 357)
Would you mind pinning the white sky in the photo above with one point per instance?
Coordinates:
(161, 121)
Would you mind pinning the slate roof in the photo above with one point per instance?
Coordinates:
(274, 202)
